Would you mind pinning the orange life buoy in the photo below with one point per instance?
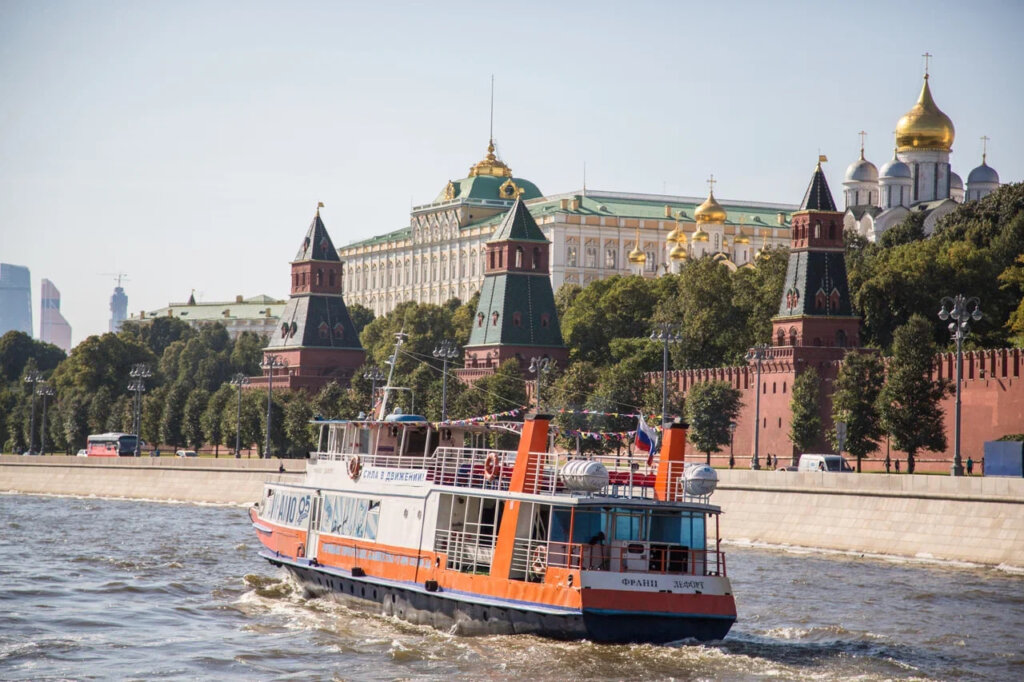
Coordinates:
(492, 466)
(540, 560)
(354, 467)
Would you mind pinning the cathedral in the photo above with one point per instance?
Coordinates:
(918, 177)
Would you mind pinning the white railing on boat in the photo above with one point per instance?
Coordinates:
(491, 469)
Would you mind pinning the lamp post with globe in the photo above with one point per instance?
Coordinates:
(961, 310)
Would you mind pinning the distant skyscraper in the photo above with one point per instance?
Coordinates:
(118, 308)
(53, 328)
(15, 299)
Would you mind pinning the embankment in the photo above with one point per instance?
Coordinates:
(225, 480)
(979, 520)
(973, 519)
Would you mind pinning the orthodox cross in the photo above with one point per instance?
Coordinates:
(926, 56)
(711, 184)
(984, 147)
(862, 136)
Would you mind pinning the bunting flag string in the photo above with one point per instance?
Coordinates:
(629, 415)
(468, 421)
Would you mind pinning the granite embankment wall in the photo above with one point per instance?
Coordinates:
(225, 481)
(972, 519)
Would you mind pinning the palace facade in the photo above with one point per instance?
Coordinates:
(591, 236)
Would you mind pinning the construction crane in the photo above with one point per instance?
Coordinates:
(118, 277)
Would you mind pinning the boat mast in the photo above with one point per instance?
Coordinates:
(400, 338)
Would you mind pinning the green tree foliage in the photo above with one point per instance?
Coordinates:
(360, 316)
(247, 353)
(805, 429)
(192, 417)
(607, 309)
(158, 334)
(909, 231)
(18, 348)
(710, 408)
(909, 401)
(702, 300)
(300, 434)
(971, 249)
(426, 325)
(210, 421)
(152, 415)
(172, 418)
(571, 391)
(462, 319)
(756, 293)
(1012, 280)
(854, 401)
(620, 390)
(564, 298)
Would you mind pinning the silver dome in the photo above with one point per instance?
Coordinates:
(983, 173)
(896, 169)
(861, 170)
(955, 182)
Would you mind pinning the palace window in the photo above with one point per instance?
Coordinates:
(570, 256)
(610, 258)
(519, 257)
(590, 257)
(652, 262)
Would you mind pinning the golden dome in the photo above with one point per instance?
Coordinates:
(700, 236)
(925, 126)
(673, 236)
(710, 211)
(679, 253)
(490, 165)
(637, 257)
(741, 239)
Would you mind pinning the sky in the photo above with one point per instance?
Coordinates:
(187, 144)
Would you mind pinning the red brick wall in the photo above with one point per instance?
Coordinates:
(992, 403)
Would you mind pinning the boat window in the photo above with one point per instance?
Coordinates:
(560, 522)
(629, 524)
(587, 525)
(677, 528)
(351, 516)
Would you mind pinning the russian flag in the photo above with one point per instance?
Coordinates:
(645, 437)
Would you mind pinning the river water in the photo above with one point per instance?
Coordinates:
(112, 589)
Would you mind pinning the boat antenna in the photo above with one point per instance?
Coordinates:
(400, 338)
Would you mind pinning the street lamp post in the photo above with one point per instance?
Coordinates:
(32, 378)
(732, 434)
(446, 351)
(757, 354)
(374, 374)
(270, 363)
(140, 372)
(239, 380)
(961, 310)
(667, 333)
(841, 442)
(46, 391)
(540, 366)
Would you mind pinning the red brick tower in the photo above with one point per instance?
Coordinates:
(316, 342)
(815, 316)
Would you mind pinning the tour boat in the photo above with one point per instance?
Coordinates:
(428, 524)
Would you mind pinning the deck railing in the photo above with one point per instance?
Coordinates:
(531, 558)
(491, 469)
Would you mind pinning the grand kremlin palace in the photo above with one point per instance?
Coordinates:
(593, 235)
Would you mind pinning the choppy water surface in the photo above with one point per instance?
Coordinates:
(101, 589)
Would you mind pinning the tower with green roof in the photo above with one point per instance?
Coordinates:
(316, 342)
(516, 316)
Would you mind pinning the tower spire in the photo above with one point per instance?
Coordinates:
(490, 134)
(984, 148)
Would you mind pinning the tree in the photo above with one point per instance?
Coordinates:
(247, 353)
(17, 348)
(911, 229)
(360, 316)
(172, 418)
(909, 401)
(570, 391)
(158, 334)
(805, 429)
(710, 408)
(854, 401)
(210, 420)
(192, 418)
(301, 434)
(702, 302)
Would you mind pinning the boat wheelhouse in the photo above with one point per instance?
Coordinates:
(428, 522)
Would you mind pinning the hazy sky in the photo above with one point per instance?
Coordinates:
(187, 143)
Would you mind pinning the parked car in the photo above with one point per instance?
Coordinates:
(186, 453)
(83, 453)
(828, 463)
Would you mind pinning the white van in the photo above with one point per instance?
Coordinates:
(831, 463)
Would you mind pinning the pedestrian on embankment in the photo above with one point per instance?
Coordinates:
(897, 466)
(970, 466)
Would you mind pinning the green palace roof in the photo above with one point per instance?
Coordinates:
(750, 214)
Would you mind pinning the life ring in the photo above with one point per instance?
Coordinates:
(354, 467)
(540, 560)
(492, 466)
